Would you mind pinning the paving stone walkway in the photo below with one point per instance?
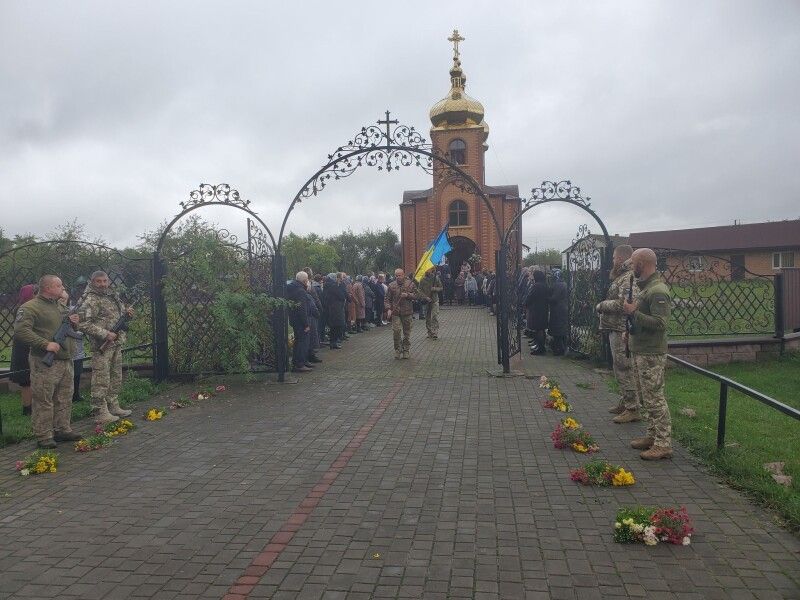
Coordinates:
(378, 478)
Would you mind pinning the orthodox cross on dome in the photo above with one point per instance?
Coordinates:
(456, 38)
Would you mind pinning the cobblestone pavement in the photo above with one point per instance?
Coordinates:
(378, 478)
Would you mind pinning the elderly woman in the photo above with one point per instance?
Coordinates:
(538, 303)
(334, 297)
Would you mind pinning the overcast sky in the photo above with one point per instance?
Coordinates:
(668, 114)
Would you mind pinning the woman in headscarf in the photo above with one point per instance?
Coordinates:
(20, 369)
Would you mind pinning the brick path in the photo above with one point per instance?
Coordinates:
(377, 478)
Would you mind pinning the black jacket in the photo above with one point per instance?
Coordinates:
(538, 301)
(333, 300)
(298, 314)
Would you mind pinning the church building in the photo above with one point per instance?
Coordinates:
(459, 131)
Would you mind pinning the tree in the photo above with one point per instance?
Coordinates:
(309, 251)
(366, 251)
(546, 257)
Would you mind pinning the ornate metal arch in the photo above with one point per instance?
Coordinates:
(213, 195)
(388, 146)
(563, 191)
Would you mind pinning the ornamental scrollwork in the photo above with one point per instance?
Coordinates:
(218, 194)
(549, 191)
(388, 145)
(259, 244)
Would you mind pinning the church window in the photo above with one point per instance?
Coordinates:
(458, 213)
(458, 152)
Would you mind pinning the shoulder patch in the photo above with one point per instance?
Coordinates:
(20, 314)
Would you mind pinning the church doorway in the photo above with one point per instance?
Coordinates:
(463, 249)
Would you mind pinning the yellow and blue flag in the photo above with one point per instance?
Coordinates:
(434, 254)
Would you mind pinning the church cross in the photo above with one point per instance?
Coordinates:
(388, 122)
(456, 38)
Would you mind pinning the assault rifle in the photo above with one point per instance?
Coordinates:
(122, 323)
(65, 330)
(628, 323)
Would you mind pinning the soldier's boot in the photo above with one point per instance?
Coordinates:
(617, 408)
(656, 453)
(101, 414)
(398, 355)
(628, 416)
(115, 409)
(406, 354)
(644, 443)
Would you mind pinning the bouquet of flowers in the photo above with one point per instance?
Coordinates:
(653, 525)
(557, 401)
(40, 461)
(94, 442)
(121, 427)
(573, 437)
(600, 472)
(154, 414)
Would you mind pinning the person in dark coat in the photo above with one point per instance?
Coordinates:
(558, 324)
(299, 320)
(380, 300)
(333, 299)
(369, 302)
(538, 303)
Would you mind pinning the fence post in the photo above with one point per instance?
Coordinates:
(723, 410)
(779, 312)
(159, 308)
(502, 291)
(279, 315)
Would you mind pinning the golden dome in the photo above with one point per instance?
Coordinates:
(457, 108)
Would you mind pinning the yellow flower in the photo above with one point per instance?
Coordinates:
(578, 447)
(571, 423)
(623, 477)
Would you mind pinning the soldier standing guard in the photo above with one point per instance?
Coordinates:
(401, 296)
(431, 288)
(101, 309)
(612, 320)
(648, 343)
(36, 322)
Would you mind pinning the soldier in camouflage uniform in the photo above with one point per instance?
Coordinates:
(400, 296)
(101, 309)
(648, 342)
(431, 288)
(612, 320)
(36, 322)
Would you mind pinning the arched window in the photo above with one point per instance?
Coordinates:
(458, 213)
(458, 152)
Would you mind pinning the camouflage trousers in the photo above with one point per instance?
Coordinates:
(51, 388)
(432, 318)
(106, 376)
(401, 329)
(623, 371)
(649, 373)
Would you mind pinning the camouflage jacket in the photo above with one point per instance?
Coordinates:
(401, 298)
(430, 286)
(100, 310)
(37, 322)
(651, 319)
(612, 318)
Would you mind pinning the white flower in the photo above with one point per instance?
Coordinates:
(25, 472)
(637, 527)
(650, 541)
(617, 525)
(686, 541)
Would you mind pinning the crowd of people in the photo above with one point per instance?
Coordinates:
(545, 304)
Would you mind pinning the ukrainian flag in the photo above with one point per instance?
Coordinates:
(434, 254)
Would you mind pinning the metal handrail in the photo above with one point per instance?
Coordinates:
(724, 384)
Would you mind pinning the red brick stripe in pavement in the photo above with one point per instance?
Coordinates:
(241, 589)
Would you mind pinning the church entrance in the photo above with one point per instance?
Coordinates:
(463, 249)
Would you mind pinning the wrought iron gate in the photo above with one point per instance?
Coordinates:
(586, 276)
(511, 310)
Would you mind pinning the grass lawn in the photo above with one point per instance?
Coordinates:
(17, 427)
(756, 434)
